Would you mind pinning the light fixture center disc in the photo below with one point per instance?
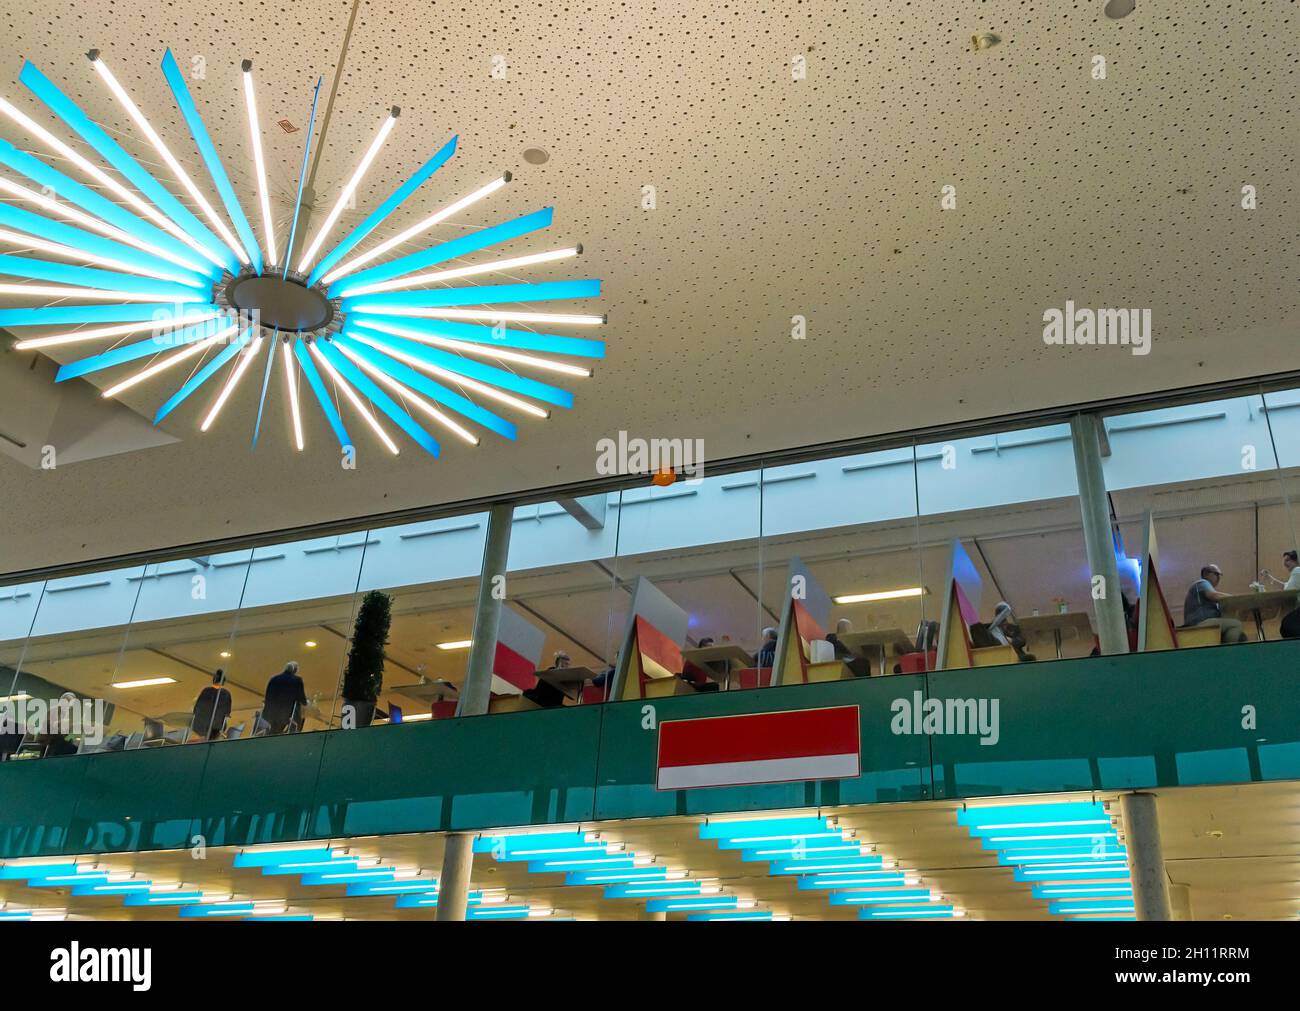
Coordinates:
(280, 303)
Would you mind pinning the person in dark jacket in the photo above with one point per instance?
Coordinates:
(211, 709)
(766, 655)
(285, 701)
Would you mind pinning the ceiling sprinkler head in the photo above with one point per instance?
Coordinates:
(984, 40)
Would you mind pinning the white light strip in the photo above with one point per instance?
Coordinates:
(505, 316)
(169, 361)
(351, 394)
(237, 373)
(143, 682)
(259, 163)
(484, 350)
(863, 598)
(438, 276)
(348, 190)
(416, 229)
(453, 377)
(80, 255)
(178, 170)
(410, 396)
(93, 224)
(59, 291)
(95, 333)
(104, 179)
(290, 377)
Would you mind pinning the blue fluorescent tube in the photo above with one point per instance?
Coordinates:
(768, 828)
(322, 395)
(475, 333)
(851, 879)
(930, 911)
(691, 902)
(199, 131)
(421, 383)
(177, 898)
(104, 280)
(12, 216)
(141, 349)
(136, 312)
(454, 363)
(1083, 890)
(270, 858)
(395, 200)
(26, 872)
(654, 889)
(462, 246)
(378, 397)
(203, 375)
(480, 294)
(197, 271)
(1065, 907)
(1024, 813)
(747, 915)
(228, 909)
(817, 865)
(109, 149)
(879, 896)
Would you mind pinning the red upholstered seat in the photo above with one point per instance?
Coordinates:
(753, 677)
(593, 694)
(444, 710)
(918, 663)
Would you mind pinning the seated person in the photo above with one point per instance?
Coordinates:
(766, 655)
(711, 670)
(211, 709)
(1004, 630)
(859, 665)
(1292, 581)
(1202, 606)
(282, 709)
(544, 693)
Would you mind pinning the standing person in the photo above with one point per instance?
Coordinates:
(767, 652)
(1202, 606)
(285, 701)
(211, 709)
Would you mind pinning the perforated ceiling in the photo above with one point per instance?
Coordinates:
(775, 197)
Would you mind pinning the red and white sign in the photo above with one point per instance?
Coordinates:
(759, 748)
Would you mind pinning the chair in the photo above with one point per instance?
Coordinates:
(918, 663)
(234, 733)
(134, 741)
(593, 694)
(753, 677)
(444, 709)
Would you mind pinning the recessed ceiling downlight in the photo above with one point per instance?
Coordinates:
(536, 156)
(1116, 9)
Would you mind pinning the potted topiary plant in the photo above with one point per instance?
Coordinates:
(363, 677)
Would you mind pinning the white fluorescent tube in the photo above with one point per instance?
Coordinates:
(416, 229)
(348, 190)
(259, 161)
(178, 170)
